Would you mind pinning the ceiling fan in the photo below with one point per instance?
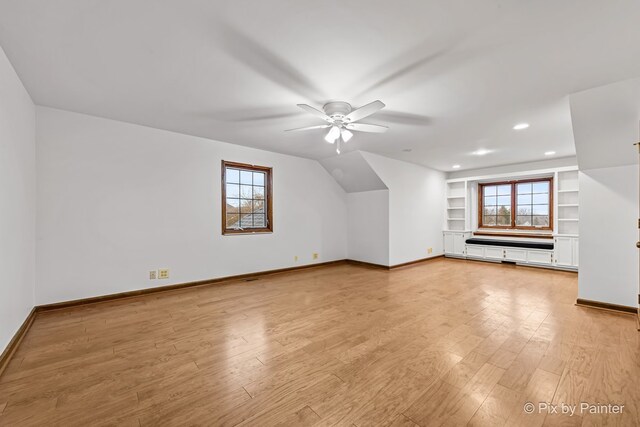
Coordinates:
(341, 118)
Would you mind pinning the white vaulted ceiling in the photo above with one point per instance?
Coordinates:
(456, 75)
(606, 122)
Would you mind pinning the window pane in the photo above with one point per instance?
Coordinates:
(541, 221)
(246, 207)
(490, 190)
(523, 220)
(504, 190)
(490, 211)
(540, 199)
(524, 199)
(504, 220)
(233, 190)
(246, 177)
(258, 206)
(232, 175)
(504, 210)
(258, 178)
(541, 187)
(246, 221)
(246, 191)
(524, 210)
(489, 220)
(525, 188)
(232, 220)
(504, 200)
(232, 205)
(258, 192)
(490, 201)
(541, 209)
(259, 221)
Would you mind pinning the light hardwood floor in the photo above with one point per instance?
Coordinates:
(444, 342)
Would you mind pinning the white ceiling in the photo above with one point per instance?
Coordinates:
(456, 75)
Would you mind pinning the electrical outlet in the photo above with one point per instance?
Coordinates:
(315, 255)
(295, 258)
(163, 273)
(152, 275)
(430, 250)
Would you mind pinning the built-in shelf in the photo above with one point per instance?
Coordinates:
(568, 202)
(457, 206)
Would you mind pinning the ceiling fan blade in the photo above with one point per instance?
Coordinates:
(309, 109)
(403, 118)
(308, 128)
(362, 127)
(364, 111)
(261, 59)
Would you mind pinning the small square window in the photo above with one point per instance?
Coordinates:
(246, 199)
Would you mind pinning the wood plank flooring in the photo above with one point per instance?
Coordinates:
(446, 342)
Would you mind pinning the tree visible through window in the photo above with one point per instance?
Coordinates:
(516, 204)
(246, 198)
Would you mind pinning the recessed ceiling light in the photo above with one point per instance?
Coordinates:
(549, 153)
(521, 126)
(481, 152)
(456, 166)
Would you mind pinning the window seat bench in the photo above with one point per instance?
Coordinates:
(510, 243)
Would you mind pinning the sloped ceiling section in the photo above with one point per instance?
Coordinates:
(353, 172)
(606, 124)
(455, 75)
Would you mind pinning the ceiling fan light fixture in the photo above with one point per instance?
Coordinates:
(342, 120)
(332, 135)
(346, 135)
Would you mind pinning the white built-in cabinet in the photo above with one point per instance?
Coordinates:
(455, 242)
(534, 257)
(566, 251)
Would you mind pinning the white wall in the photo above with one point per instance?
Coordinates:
(416, 208)
(17, 202)
(368, 226)
(117, 200)
(608, 234)
(515, 168)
